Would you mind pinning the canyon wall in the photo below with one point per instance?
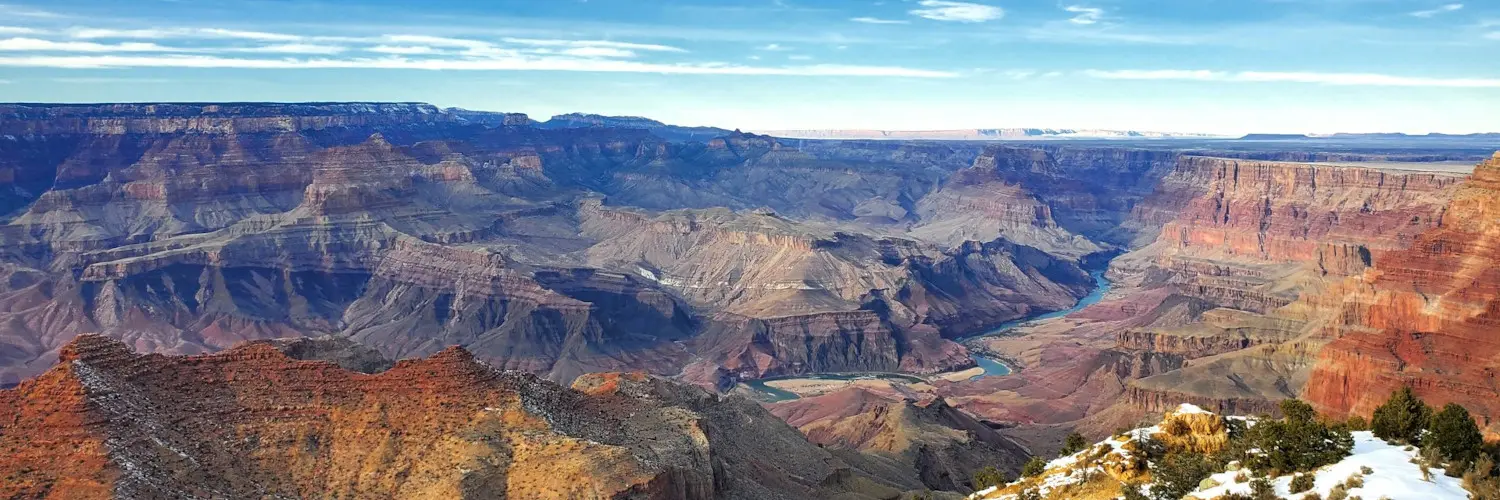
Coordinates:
(1425, 316)
(559, 251)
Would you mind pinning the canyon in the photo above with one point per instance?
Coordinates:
(159, 256)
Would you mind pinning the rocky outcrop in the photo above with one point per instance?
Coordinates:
(251, 422)
(348, 354)
(1059, 199)
(943, 444)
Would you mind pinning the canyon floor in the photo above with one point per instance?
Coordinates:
(916, 309)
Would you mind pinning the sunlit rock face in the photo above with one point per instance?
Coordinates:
(110, 423)
(1425, 316)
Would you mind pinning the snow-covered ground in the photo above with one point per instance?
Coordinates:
(1393, 476)
(1392, 472)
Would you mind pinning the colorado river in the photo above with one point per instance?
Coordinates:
(992, 367)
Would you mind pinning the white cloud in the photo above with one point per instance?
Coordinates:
(774, 47)
(405, 50)
(964, 12)
(7, 10)
(1493, 36)
(1086, 15)
(649, 47)
(491, 64)
(95, 80)
(598, 52)
(1351, 79)
(159, 33)
(437, 41)
(293, 48)
(17, 30)
(6, 82)
(1440, 10)
(38, 45)
(1154, 74)
(800, 57)
(876, 20)
(250, 35)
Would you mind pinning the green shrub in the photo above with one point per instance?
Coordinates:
(987, 477)
(1453, 433)
(1480, 479)
(1132, 492)
(1029, 494)
(1402, 418)
(1297, 442)
(1179, 475)
(1262, 489)
(1074, 444)
(1034, 467)
(1339, 492)
(1302, 482)
(1357, 423)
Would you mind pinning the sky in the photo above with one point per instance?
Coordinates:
(1207, 66)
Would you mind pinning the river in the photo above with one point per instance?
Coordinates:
(992, 367)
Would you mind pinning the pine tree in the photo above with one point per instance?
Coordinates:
(1402, 418)
(987, 477)
(1455, 435)
(1034, 467)
(1179, 475)
(1074, 444)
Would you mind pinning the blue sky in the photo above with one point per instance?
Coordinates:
(1218, 66)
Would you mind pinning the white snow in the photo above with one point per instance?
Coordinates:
(1393, 476)
(1190, 409)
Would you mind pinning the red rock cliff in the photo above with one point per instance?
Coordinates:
(1427, 317)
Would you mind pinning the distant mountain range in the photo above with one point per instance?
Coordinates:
(1372, 137)
(989, 134)
(681, 133)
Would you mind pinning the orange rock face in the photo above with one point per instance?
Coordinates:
(1427, 316)
(252, 422)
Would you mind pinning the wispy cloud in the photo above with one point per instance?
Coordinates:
(1440, 10)
(37, 45)
(1354, 79)
(1085, 15)
(17, 30)
(8, 10)
(472, 64)
(963, 12)
(162, 33)
(597, 52)
(876, 20)
(774, 47)
(293, 48)
(404, 50)
(103, 80)
(594, 44)
(6, 82)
